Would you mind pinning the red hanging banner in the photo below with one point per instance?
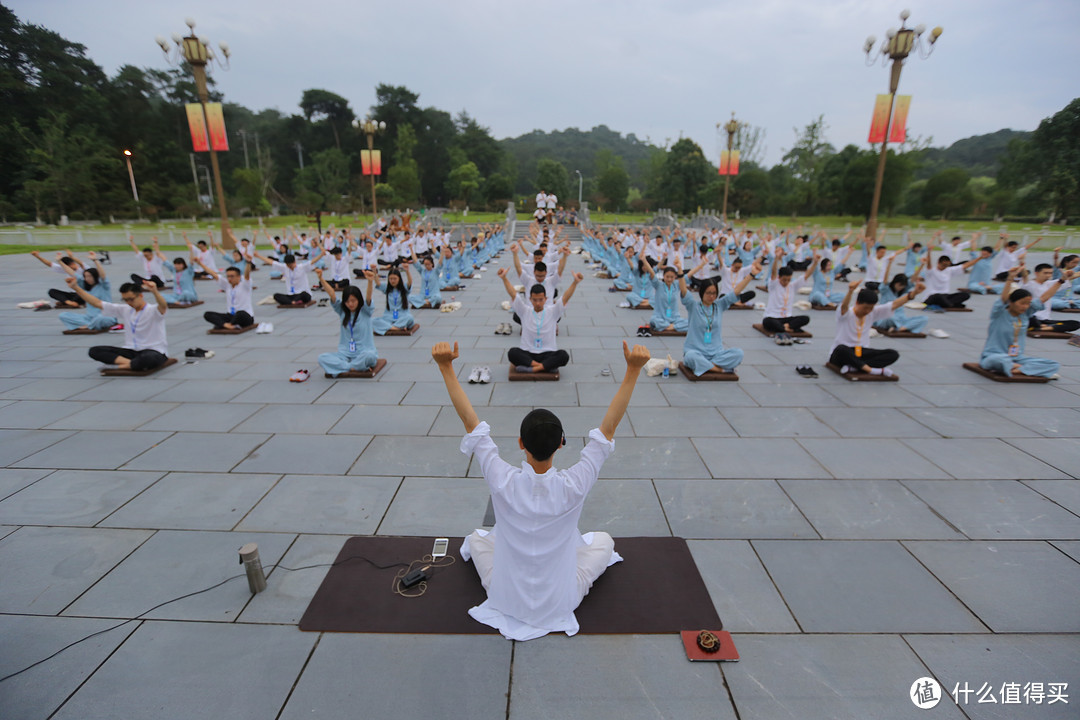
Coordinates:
(219, 139)
(725, 163)
(733, 167)
(898, 129)
(376, 162)
(880, 121)
(200, 141)
(365, 162)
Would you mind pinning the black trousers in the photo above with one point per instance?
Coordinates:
(872, 285)
(551, 360)
(800, 265)
(140, 359)
(139, 280)
(952, 300)
(776, 325)
(339, 284)
(218, 320)
(62, 297)
(695, 283)
(283, 299)
(747, 296)
(845, 355)
(1055, 325)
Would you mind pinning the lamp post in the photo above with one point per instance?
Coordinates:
(897, 46)
(580, 184)
(730, 127)
(134, 189)
(196, 51)
(369, 127)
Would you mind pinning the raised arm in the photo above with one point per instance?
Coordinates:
(908, 296)
(87, 297)
(207, 270)
(847, 298)
(573, 286)
(97, 264)
(1066, 277)
(42, 260)
(565, 252)
(1009, 280)
(162, 303)
(517, 260)
(812, 266)
(444, 357)
(502, 272)
(327, 287)
(157, 250)
(635, 360)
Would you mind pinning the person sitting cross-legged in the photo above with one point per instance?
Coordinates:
(850, 351)
(539, 320)
(534, 564)
(145, 343)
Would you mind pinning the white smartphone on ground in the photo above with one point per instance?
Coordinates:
(438, 550)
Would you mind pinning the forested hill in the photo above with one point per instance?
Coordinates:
(576, 150)
(978, 155)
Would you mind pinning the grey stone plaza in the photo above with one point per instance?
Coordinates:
(854, 536)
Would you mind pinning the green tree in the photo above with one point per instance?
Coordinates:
(552, 177)
(328, 106)
(612, 181)
(404, 175)
(684, 175)
(947, 194)
(805, 159)
(498, 190)
(396, 106)
(64, 164)
(464, 183)
(749, 192)
(330, 169)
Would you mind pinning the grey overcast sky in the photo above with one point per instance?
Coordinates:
(660, 69)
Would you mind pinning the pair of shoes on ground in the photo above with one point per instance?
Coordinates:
(644, 331)
(783, 339)
(806, 371)
(264, 328)
(198, 353)
(480, 374)
(299, 376)
(504, 329)
(938, 333)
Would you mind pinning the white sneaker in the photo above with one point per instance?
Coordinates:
(938, 333)
(874, 333)
(485, 374)
(474, 376)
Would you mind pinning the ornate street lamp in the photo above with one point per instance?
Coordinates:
(898, 44)
(369, 127)
(196, 51)
(134, 189)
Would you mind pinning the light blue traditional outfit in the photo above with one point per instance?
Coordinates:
(1005, 343)
(429, 290)
(704, 346)
(642, 288)
(1068, 297)
(666, 307)
(980, 279)
(822, 293)
(356, 346)
(899, 320)
(397, 313)
(913, 260)
(448, 271)
(184, 285)
(92, 318)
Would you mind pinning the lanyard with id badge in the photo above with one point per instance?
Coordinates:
(1014, 348)
(352, 340)
(539, 324)
(395, 300)
(670, 299)
(709, 317)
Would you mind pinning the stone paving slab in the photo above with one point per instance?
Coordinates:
(74, 497)
(744, 595)
(95, 449)
(976, 459)
(731, 509)
(1011, 586)
(617, 676)
(193, 501)
(38, 413)
(382, 675)
(195, 670)
(997, 509)
(55, 565)
(322, 504)
(827, 677)
(861, 586)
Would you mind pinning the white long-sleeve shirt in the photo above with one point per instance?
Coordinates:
(534, 586)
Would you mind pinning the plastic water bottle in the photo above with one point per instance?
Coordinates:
(667, 372)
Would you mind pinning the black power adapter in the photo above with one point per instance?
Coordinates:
(414, 578)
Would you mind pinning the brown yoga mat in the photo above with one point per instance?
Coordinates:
(655, 589)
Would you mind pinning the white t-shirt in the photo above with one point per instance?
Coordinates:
(528, 279)
(238, 298)
(538, 328)
(339, 269)
(296, 279)
(954, 252)
(1006, 260)
(151, 267)
(782, 299)
(551, 200)
(729, 279)
(534, 585)
(1037, 290)
(143, 329)
(940, 281)
(875, 268)
(855, 332)
(541, 200)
